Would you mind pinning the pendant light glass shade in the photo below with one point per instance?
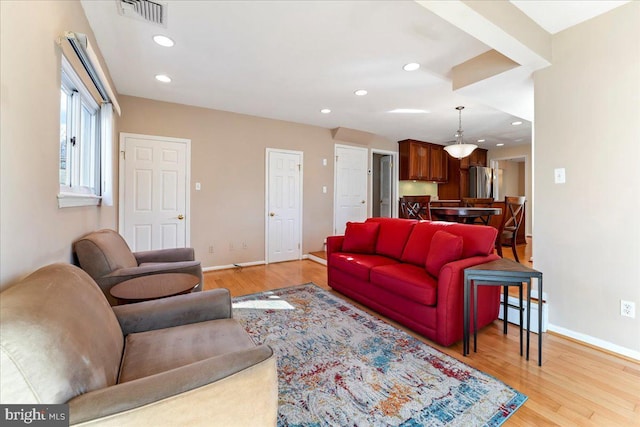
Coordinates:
(460, 150)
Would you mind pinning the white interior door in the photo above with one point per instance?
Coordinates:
(284, 205)
(350, 187)
(154, 191)
(385, 186)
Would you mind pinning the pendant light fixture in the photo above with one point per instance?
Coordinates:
(460, 150)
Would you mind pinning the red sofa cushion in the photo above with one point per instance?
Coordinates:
(393, 235)
(360, 237)
(358, 265)
(417, 247)
(479, 240)
(407, 280)
(445, 247)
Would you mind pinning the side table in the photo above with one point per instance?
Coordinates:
(502, 272)
(153, 286)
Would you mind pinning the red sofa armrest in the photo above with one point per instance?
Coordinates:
(451, 298)
(334, 244)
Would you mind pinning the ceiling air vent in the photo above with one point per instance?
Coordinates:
(144, 10)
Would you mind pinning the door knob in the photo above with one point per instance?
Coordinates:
(363, 202)
(272, 214)
(180, 217)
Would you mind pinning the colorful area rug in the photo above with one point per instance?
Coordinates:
(340, 366)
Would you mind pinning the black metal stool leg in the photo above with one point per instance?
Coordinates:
(521, 314)
(505, 307)
(475, 318)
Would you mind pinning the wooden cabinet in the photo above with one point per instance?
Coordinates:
(477, 158)
(422, 161)
(438, 166)
(414, 161)
(464, 183)
(457, 186)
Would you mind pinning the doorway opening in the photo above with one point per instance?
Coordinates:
(383, 184)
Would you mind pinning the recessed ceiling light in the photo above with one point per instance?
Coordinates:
(163, 78)
(499, 144)
(163, 40)
(409, 111)
(481, 140)
(325, 111)
(412, 66)
(361, 92)
(518, 123)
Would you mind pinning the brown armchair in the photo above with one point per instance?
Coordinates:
(180, 361)
(105, 255)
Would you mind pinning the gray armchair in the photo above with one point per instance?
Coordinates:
(107, 258)
(179, 361)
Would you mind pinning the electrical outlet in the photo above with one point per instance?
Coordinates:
(211, 249)
(231, 248)
(244, 245)
(628, 309)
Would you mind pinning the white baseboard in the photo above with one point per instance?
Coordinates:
(514, 316)
(240, 264)
(596, 342)
(252, 263)
(315, 259)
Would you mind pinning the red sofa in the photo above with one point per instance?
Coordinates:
(412, 272)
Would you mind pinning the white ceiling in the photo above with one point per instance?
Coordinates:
(557, 15)
(287, 60)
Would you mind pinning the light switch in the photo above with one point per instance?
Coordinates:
(324, 162)
(324, 189)
(559, 176)
(198, 186)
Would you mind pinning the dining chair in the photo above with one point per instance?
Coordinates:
(479, 202)
(403, 208)
(511, 220)
(416, 207)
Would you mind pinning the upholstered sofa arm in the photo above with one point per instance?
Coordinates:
(165, 255)
(451, 278)
(174, 311)
(334, 244)
(451, 295)
(233, 389)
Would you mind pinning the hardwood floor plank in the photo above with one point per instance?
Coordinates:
(576, 385)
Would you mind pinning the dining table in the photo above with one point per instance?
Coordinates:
(463, 214)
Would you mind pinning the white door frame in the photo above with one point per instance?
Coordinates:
(266, 199)
(335, 180)
(121, 178)
(394, 180)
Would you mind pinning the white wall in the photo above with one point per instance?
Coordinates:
(587, 233)
(228, 159)
(34, 231)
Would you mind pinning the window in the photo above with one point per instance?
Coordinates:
(80, 142)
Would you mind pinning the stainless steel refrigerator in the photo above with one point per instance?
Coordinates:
(485, 182)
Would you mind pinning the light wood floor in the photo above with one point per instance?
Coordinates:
(576, 385)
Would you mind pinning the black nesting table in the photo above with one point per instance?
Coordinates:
(503, 272)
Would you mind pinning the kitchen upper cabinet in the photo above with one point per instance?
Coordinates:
(457, 186)
(422, 161)
(477, 158)
(414, 160)
(438, 165)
